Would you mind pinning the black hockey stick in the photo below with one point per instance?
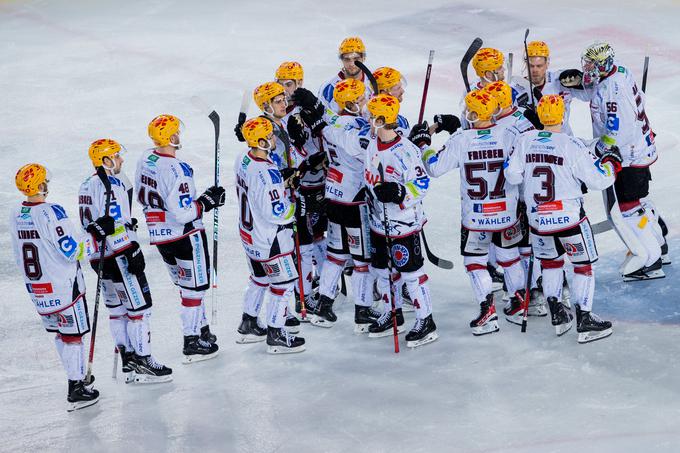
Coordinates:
(526, 59)
(215, 118)
(369, 76)
(467, 58)
(527, 292)
(101, 173)
(644, 74)
(434, 259)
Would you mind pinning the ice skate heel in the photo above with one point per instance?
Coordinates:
(197, 350)
(324, 316)
(363, 318)
(487, 321)
(80, 396)
(279, 341)
(383, 327)
(646, 273)
(250, 331)
(148, 371)
(560, 317)
(514, 311)
(590, 327)
(424, 331)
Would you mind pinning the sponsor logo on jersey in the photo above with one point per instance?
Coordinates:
(184, 273)
(550, 206)
(186, 168)
(334, 175)
(155, 217)
(272, 269)
(511, 233)
(185, 200)
(278, 207)
(573, 249)
(489, 208)
(68, 245)
(400, 255)
(59, 212)
(39, 288)
(543, 140)
(483, 132)
(151, 161)
(421, 183)
(25, 210)
(612, 122)
(245, 162)
(371, 178)
(549, 221)
(275, 175)
(545, 134)
(353, 241)
(245, 237)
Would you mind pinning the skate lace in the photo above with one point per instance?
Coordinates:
(385, 318)
(596, 319)
(151, 362)
(288, 336)
(419, 325)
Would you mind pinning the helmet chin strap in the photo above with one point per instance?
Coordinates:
(373, 120)
(353, 112)
(469, 119)
(266, 149)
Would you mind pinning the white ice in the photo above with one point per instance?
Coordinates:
(74, 71)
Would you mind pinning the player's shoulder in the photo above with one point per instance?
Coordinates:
(402, 122)
(328, 87)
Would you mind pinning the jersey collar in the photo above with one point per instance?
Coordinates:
(382, 146)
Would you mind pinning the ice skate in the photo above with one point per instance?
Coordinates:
(197, 350)
(497, 278)
(311, 305)
(590, 327)
(382, 327)
(561, 318)
(665, 258)
(148, 371)
(279, 341)
(377, 296)
(292, 324)
(250, 331)
(646, 273)
(423, 332)
(537, 305)
(514, 310)
(487, 321)
(127, 359)
(207, 335)
(80, 395)
(324, 316)
(363, 318)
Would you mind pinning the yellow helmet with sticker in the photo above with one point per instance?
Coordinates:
(502, 92)
(348, 90)
(352, 44)
(386, 106)
(289, 70)
(386, 77)
(482, 104)
(538, 49)
(266, 92)
(256, 129)
(29, 178)
(550, 110)
(162, 128)
(99, 149)
(487, 59)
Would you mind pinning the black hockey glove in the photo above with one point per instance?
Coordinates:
(306, 100)
(523, 100)
(132, 225)
(314, 121)
(301, 207)
(135, 259)
(291, 177)
(420, 135)
(297, 133)
(532, 116)
(390, 192)
(239, 125)
(572, 78)
(212, 198)
(314, 201)
(613, 156)
(448, 123)
(101, 227)
(317, 161)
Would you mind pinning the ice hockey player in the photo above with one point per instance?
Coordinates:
(124, 286)
(552, 165)
(165, 189)
(617, 109)
(47, 247)
(396, 184)
(488, 204)
(390, 81)
(351, 49)
(266, 219)
(544, 81)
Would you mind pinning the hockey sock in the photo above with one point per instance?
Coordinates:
(513, 272)
(362, 285)
(583, 286)
(492, 255)
(307, 253)
(254, 295)
(479, 276)
(383, 284)
(192, 313)
(59, 344)
(419, 290)
(553, 277)
(330, 275)
(644, 227)
(139, 332)
(73, 357)
(118, 321)
(277, 310)
(398, 283)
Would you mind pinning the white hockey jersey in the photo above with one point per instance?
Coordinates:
(326, 91)
(264, 208)
(552, 165)
(47, 247)
(165, 189)
(488, 203)
(91, 201)
(617, 108)
(401, 162)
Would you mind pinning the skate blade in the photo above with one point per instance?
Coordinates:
(665, 260)
(561, 329)
(144, 379)
(587, 337)
(516, 318)
(293, 330)
(653, 275)
(489, 327)
(194, 358)
(284, 350)
(361, 328)
(318, 321)
(538, 310)
(129, 377)
(250, 338)
(387, 333)
(307, 318)
(80, 405)
(432, 336)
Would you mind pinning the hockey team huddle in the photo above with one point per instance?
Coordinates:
(332, 185)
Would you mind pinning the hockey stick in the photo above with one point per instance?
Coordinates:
(526, 59)
(369, 76)
(388, 241)
(467, 58)
(527, 292)
(425, 87)
(101, 173)
(215, 118)
(434, 259)
(644, 74)
(510, 58)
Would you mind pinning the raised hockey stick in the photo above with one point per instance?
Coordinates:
(526, 59)
(101, 173)
(369, 76)
(426, 86)
(388, 241)
(215, 118)
(467, 58)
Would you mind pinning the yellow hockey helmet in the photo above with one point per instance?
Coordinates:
(353, 44)
(256, 129)
(386, 106)
(482, 104)
(99, 149)
(386, 77)
(502, 92)
(162, 128)
(30, 177)
(550, 110)
(266, 92)
(289, 70)
(348, 90)
(538, 49)
(487, 59)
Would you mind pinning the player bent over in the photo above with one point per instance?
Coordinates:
(47, 246)
(489, 205)
(165, 188)
(125, 288)
(552, 165)
(266, 218)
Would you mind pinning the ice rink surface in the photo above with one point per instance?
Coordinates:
(74, 71)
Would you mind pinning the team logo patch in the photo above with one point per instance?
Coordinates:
(275, 175)
(278, 208)
(59, 212)
(68, 245)
(272, 269)
(184, 200)
(184, 272)
(400, 255)
(573, 249)
(510, 233)
(353, 241)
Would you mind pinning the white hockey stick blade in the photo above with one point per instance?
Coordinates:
(510, 58)
(201, 105)
(245, 102)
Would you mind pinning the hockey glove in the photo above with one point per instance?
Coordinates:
(390, 192)
(298, 135)
(523, 100)
(448, 123)
(420, 135)
(532, 116)
(212, 198)
(306, 100)
(314, 121)
(101, 227)
(135, 259)
(301, 207)
(613, 156)
(572, 78)
(291, 177)
(239, 125)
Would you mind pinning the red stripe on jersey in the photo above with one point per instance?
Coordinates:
(245, 237)
(628, 205)
(475, 267)
(191, 302)
(335, 175)
(583, 270)
(508, 263)
(363, 268)
(277, 291)
(552, 264)
(335, 260)
(422, 279)
(139, 317)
